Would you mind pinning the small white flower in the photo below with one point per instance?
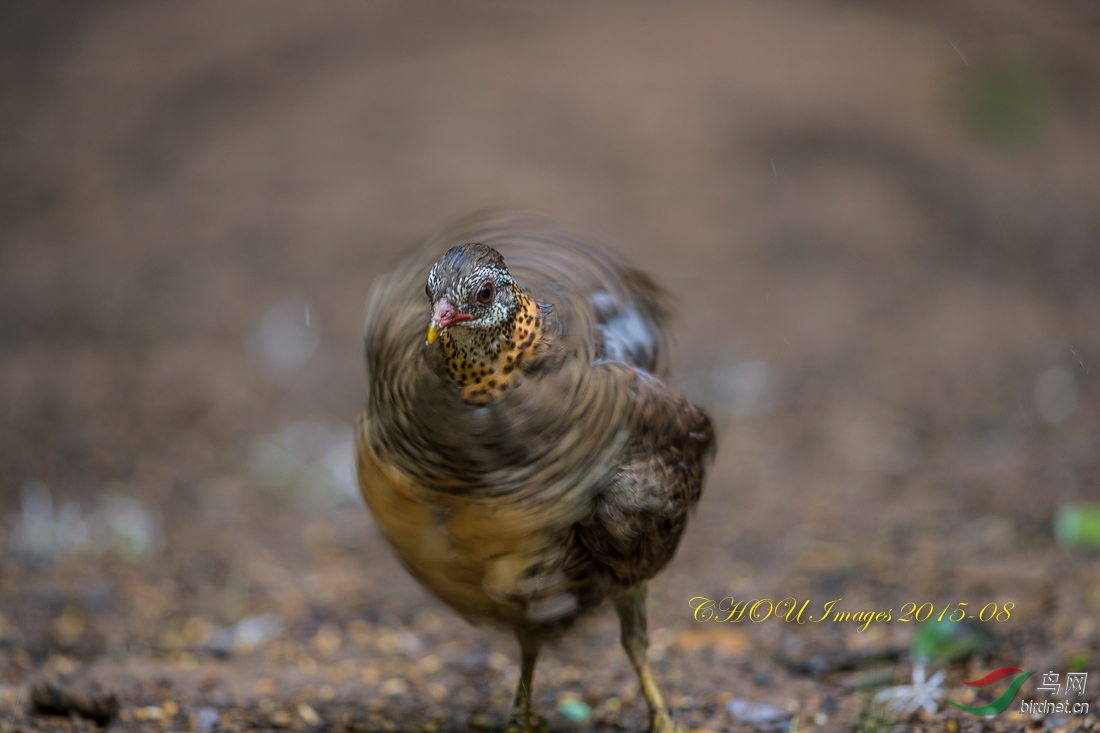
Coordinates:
(920, 694)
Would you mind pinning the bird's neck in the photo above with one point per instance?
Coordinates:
(485, 362)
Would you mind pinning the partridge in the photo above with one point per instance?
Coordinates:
(520, 448)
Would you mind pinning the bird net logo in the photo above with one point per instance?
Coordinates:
(1074, 685)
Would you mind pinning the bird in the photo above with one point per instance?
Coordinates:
(521, 448)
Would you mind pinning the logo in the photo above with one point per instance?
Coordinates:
(1005, 699)
(1075, 685)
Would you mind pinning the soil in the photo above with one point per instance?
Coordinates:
(880, 224)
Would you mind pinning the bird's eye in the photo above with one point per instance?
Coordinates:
(484, 294)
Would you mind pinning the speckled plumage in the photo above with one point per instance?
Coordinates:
(533, 462)
(488, 361)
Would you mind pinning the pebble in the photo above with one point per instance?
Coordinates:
(746, 711)
(394, 686)
(206, 719)
(308, 715)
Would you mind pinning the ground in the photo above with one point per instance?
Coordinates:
(879, 224)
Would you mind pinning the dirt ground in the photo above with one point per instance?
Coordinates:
(880, 222)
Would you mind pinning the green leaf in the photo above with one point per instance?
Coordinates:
(950, 641)
(1005, 104)
(575, 710)
(1078, 525)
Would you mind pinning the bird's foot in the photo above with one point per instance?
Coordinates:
(662, 722)
(531, 725)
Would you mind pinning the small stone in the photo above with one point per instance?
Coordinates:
(394, 686)
(69, 626)
(265, 686)
(360, 632)
(308, 715)
(85, 698)
(481, 721)
(206, 719)
(755, 713)
(725, 641)
(430, 664)
(328, 639)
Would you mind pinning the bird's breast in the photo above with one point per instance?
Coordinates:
(487, 560)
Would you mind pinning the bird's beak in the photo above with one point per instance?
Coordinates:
(443, 315)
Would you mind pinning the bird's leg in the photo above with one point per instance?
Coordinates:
(630, 603)
(520, 721)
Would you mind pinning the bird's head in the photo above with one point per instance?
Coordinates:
(469, 287)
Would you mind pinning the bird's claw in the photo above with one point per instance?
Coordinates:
(536, 725)
(663, 723)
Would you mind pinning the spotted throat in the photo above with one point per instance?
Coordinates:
(486, 363)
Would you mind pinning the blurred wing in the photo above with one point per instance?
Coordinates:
(641, 512)
(549, 440)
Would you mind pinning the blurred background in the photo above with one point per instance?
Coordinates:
(879, 222)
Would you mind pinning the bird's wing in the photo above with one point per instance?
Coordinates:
(639, 516)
